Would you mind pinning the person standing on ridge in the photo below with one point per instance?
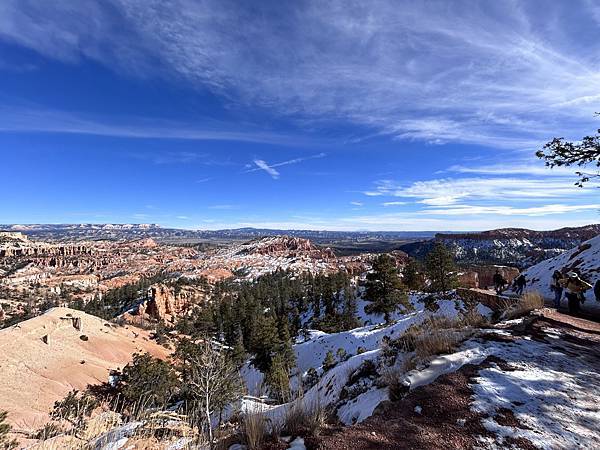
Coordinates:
(499, 282)
(520, 282)
(575, 288)
(556, 287)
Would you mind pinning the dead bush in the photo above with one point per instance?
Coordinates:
(528, 302)
(254, 429)
(303, 418)
(438, 341)
(472, 318)
(393, 378)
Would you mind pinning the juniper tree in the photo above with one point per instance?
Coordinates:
(149, 380)
(385, 289)
(74, 408)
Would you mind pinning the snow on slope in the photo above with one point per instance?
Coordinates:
(585, 258)
(312, 352)
(553, 395)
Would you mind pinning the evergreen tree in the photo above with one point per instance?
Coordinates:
(329, 362)
(412, 277)
(385, 290)
(440, 269)
(349, 319)
(265, 342)
(5, 442)
(278, 379)
(150, 381)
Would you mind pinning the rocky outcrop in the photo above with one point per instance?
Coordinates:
(42, 250)
(289, 246)
(165, 302)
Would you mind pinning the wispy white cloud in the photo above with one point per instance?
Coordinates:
(503, 74)
(262, 165)
(34, 118)
(386, 204)
(357, 203)
(271, 168)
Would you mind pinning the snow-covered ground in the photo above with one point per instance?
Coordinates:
(551, 388)
(360, 345)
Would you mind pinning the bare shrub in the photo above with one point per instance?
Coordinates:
(528, 302)
(303, 418)
(393, 378)
(438, 341)
(472, 318)
(254, 429)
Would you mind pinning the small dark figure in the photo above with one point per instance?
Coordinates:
(575, 289)
(520, 282)
(499, 282)
(557, 288)
(597, 290)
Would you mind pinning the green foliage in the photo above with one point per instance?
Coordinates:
(412, 275)
(341, 354)
(278, 379)
(149, 380)
(385, 290)
(561, 153)
(74, 408)
(329, 362)
(311, 378)
(5, 442)
(440, 269)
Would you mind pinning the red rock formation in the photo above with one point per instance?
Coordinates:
(164, 303)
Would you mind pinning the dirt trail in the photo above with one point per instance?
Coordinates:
(553, 394)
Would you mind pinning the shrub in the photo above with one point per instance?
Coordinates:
(48, 431)
(303, 418)
(150, 380)
(5, 428)
(311, 378)
(342, 355)
(528, 302)
(435, 342)
(254, 429)
(397, 386)
(329, 362)
(74, 408)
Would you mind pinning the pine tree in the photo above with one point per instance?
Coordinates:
(278, 379)
(385, 290)
(265, 342)
(329, 362)
(440, 269)
(412, 277)
(349, 317)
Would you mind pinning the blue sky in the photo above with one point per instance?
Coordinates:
(352, 115)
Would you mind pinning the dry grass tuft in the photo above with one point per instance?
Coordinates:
(438, 341)
(528, 302)
(254, 429)
(303, 418)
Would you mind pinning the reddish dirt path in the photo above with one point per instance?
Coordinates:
(446, 420)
